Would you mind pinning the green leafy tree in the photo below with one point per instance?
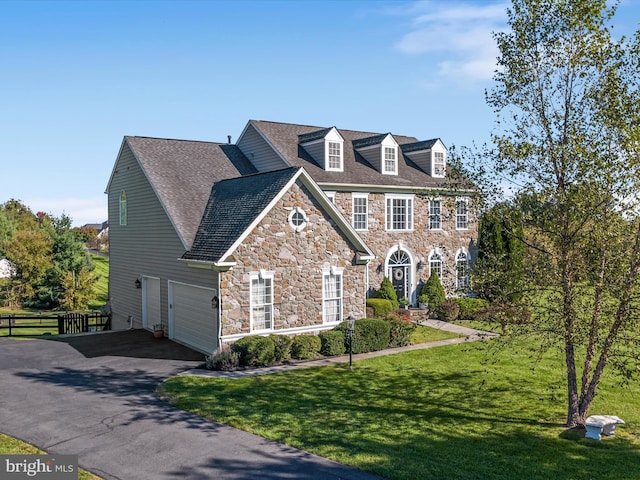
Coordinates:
(77, 289)
(387, 291)
(568, 135)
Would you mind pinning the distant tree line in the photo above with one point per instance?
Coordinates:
(52, 270)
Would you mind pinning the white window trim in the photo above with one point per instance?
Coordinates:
(438, 199)
(436, 251)
(433, 164)
(353, 211)
(337, 271)
(298, 228)
(383, 160)
(262, 275)
(467, 258)
(466, 202)
(123, 212)
(332, 196)
(340, 168)
(409, 224)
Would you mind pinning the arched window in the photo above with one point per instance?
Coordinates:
(462, 270)
(123, 208)
(435, 263)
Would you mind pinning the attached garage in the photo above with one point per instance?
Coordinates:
(192, 318)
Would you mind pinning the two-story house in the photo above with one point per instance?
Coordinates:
(288, 230)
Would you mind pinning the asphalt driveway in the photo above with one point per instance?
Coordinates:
(94, 397)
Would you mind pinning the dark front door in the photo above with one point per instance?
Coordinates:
(399, 281)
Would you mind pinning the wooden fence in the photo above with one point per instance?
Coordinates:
(28, 325)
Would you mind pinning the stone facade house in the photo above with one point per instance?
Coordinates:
(288, 230)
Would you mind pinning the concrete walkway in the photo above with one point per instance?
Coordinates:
(467, 335)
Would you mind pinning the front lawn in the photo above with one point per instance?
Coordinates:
(454, 412)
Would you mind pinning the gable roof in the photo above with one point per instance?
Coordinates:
(285, 138)
(181, 173)
(237, 205)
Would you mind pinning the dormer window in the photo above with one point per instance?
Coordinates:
(390, 165)
(438, 164)
(334, 156)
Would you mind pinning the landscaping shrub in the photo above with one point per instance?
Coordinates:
(386, 291)
(255, 351)
(470, 307)
(448, 311)
(332, 343)
(282, 344)
(505, 314)
(223, 360)
(434, 292)
(371, 334)
(305, 346)
(380, 306)
(400, 330)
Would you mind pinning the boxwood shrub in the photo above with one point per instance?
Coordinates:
(371, 334)
(470, 307)
(380, 306)
(332, 343)
(305, 346)
(255, 351)
(448, 311)
(282, 345)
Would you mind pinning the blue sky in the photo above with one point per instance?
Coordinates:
(78, 76)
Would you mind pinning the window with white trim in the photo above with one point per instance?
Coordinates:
(298, 219)
(399, 212)
(435, 214)
(123, 208)
(261, 300)
(360, 211)
(334, 156)
(462, 270)
(435, 263)
(332, 196)
(462, 214)
(390, 160)
(332, 295)
(438, 164)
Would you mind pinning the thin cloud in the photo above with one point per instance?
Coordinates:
(458, 36)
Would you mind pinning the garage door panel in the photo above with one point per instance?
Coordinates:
(193, 318)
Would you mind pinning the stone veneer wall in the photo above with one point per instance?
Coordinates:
(297, 258)
(419, 242)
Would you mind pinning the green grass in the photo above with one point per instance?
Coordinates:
(12, 446)
(101, 288)
(454, 412)
(424, 334)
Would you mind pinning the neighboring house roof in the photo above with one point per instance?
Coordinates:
(181, 173)
(285, 137)
(237, 205)
(96, 226)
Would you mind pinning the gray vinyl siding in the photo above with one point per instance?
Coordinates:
(316, 151)
(373, 156)
(259, 152)
(148, 245)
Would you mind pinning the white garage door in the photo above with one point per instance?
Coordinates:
(192, 320)
(151, 303)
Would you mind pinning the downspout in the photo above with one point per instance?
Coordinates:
(219, 310)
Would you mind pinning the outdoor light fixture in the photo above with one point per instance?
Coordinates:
(138, 283)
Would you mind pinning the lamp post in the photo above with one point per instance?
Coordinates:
(351, 327)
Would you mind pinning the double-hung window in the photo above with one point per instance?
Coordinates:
(360, 211)
(332, 295)
(261, 301)
(399, 212)
(390, 160)
(435, 214)
(438, 164)
(334, 156)
(435, 264)
(462, 214)
(462, 270)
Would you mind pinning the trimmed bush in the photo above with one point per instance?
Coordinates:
(448, 311)
(332, 343)
(223, 360)
(400, 330)
(371, 334)
(305, 346)
(434, 292)
(282, 344)
(255, 351)
(387, 291)
(470, 307)
(380, 306)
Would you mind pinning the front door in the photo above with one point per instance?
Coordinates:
(399, 271)
(399, 280)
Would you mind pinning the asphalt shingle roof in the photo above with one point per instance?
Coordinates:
(285, 137)
(233, 205)
(182, 172)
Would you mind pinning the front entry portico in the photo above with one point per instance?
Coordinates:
(399, 268)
